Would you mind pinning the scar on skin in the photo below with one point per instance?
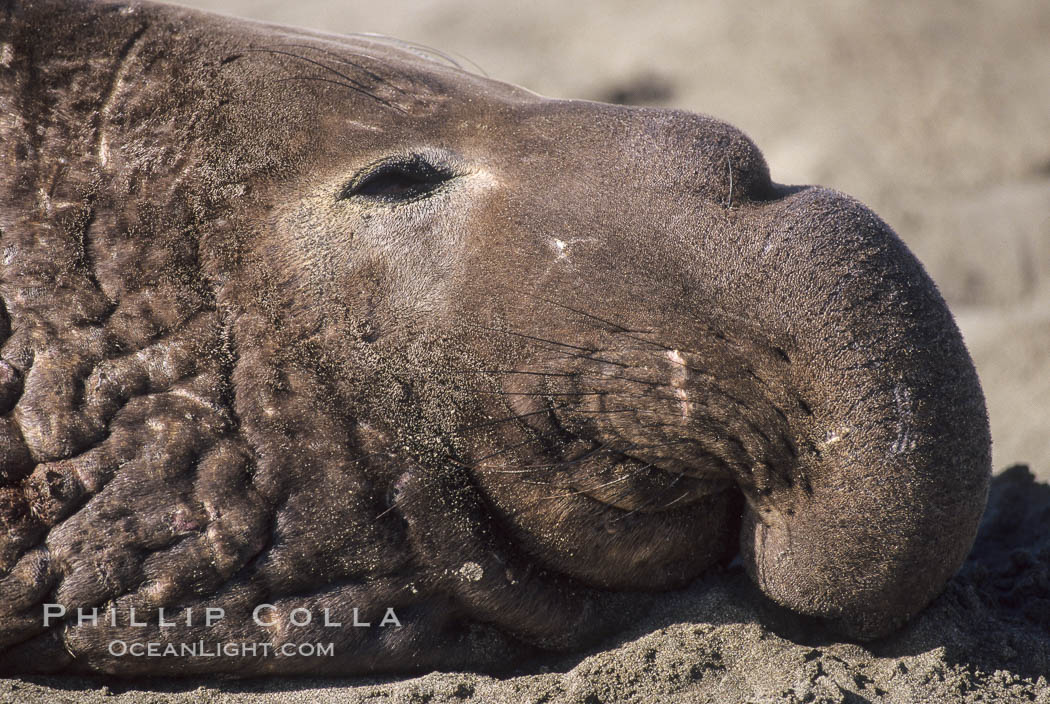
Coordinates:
(679, 377)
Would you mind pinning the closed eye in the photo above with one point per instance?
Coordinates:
(397, 180)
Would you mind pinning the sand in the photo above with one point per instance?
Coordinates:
(935, 114)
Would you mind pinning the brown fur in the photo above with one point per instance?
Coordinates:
(597, 349)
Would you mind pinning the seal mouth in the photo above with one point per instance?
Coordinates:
(626, 479)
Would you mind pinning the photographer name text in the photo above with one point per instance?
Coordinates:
(265, 615)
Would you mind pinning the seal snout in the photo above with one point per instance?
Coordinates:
(698, 412)
(893, 439)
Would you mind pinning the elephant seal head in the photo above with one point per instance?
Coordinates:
(303, 330)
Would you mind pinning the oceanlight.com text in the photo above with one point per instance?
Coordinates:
(205, 649)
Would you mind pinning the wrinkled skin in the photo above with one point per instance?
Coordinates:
(317, 322)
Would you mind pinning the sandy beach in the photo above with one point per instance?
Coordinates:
(937, 115)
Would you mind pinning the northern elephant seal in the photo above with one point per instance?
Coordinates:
(302, 330)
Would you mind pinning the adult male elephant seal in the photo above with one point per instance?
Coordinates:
(299, 324)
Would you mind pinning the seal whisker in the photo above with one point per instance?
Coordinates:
(652, 446)
(508, 419)
(360, 67)
(592, 357)
(632, 472)
(617, 328)
(421, 50)
(590, 454)
(351, 83)
(533, 338)
(603, 448)
(387, 510)
(671, 503)
(611, 411)
(344, 85)
(495, 470)
(508, 371)
(638, 508)
(310, 61)
(729, 169)
(534, 394)
(553, 465)
(580, 492)
(476, 463)
(626, 396)
(570, 375)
